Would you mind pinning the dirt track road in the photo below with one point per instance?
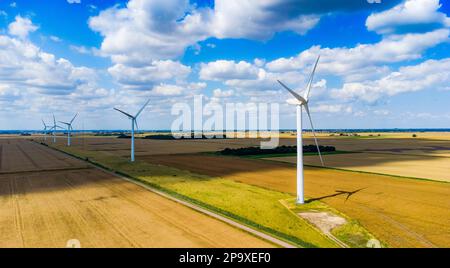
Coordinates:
(47, 198)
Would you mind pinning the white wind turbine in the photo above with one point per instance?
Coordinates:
(302, 101)
(133, 123)
(55, 126)
(46, 128)
(69, 128)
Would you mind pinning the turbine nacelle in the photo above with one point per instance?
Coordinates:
(298, 100)
(293, 101)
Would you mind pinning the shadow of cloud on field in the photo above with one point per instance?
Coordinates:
(27, 167)
(46, 182)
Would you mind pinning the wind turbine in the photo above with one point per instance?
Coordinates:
(69, 128)
(302, 101)
(133, 123)
(54, 129)
(45, 129)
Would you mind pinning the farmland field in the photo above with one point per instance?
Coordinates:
(401, 212)
(47, 198)
(415, 166)
(398, 154)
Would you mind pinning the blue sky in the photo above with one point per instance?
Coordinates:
(383, 65)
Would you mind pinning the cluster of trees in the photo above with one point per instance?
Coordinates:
(108, 133)
(278, 150)
(160, 137)
(123, 136)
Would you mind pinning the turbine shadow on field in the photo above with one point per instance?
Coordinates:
(338, 193)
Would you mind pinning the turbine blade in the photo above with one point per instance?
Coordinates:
(54, 120)
(314, 133)
(311, 77)
(142, 108)
(65, 123)
(127, 114)
(297, 96)
(73, 118)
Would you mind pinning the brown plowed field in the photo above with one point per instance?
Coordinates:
(43, 205)
(401, 212)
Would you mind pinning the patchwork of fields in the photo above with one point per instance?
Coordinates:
(47, 198)
(400, 155)
(402, 212)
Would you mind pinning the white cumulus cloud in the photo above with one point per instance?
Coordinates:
(227, 70)
(142, 77)
(364, 60)
(167, 90)
(409, 16)
(428, 75)
(21, 27)
(145, 30)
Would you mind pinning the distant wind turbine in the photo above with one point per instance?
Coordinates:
(54, 127)
(46, 128)
(69, 128)
(133, 123)
(302, 101)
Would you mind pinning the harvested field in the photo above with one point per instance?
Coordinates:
(416, 166)
(47, 198)
(401, 212)
(18, 155)
(409, 146)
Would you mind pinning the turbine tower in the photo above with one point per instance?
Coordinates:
(133, 123)
(69, 128)
(302, 101)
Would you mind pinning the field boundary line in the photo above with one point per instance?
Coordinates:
(197, 208)
(376, 173)
(43, 170)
